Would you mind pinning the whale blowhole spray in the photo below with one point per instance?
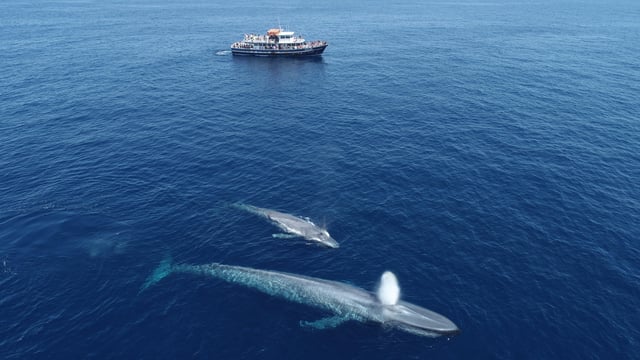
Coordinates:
(389, 290)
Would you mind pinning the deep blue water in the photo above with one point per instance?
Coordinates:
(486, 152)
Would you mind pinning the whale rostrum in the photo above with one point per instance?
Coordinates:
(344, 302)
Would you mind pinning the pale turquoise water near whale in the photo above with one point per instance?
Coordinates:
(486, 152)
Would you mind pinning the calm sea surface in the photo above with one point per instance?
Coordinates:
(486, 152)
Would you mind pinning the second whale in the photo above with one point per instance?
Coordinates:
(296, 226)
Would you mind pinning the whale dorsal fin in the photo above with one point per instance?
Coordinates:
(389, 290)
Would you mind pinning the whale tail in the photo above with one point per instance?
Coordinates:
(245, 207)
(163, 270)
(248, 208)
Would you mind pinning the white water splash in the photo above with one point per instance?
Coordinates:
(5, 267)
(223, 52)
(389, 290)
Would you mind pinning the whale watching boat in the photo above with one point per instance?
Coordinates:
(277, 42)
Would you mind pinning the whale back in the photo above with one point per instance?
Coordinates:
(389, 290)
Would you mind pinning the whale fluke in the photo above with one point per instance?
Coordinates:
(389, 290)
(162, 271)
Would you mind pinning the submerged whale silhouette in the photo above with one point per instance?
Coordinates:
(293, 225)
(343, 301)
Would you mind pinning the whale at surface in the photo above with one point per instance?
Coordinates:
(294, 225)
(344, 302)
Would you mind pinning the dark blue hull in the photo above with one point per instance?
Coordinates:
(317, 50)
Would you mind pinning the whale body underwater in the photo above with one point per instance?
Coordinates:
(291, 224)
(345, 302)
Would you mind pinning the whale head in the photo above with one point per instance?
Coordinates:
(409, 317)
(323, 237)
(418, 320)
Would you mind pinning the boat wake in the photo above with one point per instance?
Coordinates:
(223, 52)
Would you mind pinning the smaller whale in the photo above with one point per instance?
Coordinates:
(302, 227)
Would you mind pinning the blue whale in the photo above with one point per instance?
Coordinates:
(297, 226)
(343, 301)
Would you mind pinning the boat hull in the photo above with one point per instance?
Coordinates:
(313, 51)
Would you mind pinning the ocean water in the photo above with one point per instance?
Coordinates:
(486, 152)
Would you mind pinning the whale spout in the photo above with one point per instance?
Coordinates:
(389, 290)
